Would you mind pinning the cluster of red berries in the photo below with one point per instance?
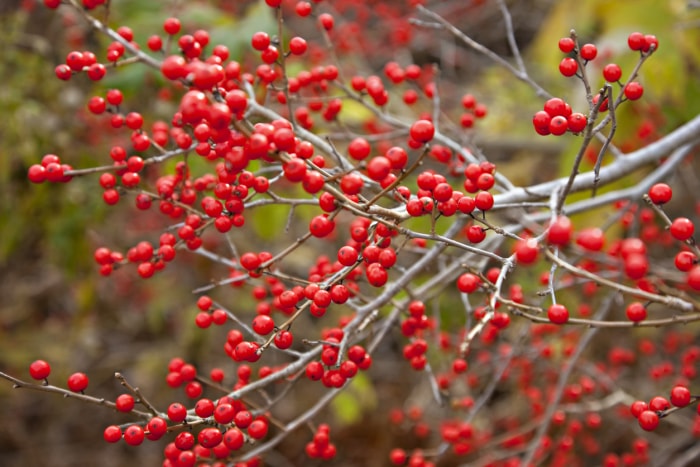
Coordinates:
(649, 414)
(557, 118)
(330, 370)
(50, 170)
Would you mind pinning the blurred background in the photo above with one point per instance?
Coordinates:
(55, 305)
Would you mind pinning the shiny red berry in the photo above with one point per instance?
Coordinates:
(77, 382)
(660, 193)
(682, 228)
(566, 44)
(422, 131)
(39, 369)
(588, 51)
(558, 314)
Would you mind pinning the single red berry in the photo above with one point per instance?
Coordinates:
(347, 256)
(468, 282)
(636, 41)
(39, 369)
(476, 233)
(326, 21)
(184, 441)
(558, 125)
(359, 149)
(633, 91)
(422, 131)
(224, 413)
(284, 340)
(320, 226)
(134, 435)
(157, 427)
(210, 437)
(588, 51)
(558, 314)
(526, 251)
(112, 434)
(177, 412)
(483, 201)
(577, 122)
(650, 41)
(693, 278)
(234, 439)
(660, 193)
(680, 396)
(171, 26)
(566, 44)
(648, 420)
(125, 403)
(682, 228)
(258, 429)
(685, 260)
(263, 324)
(568, 67)
(560, 231)
(636, 312)
(555, 106)
(77, 382)
(638, 407)
(612, 72)
(659, 404)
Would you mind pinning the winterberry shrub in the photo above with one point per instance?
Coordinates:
(363, 261)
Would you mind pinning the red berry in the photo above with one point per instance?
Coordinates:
(422, 131)
(297, 45)
(566, 44)
(588, 51)
(526, 251)
(659, 404)
(633, 91)
(134, 435)
(125, 403)
(359, 149)
(347, 256)
(680, 396)
(326, 21)
(483, 200)
(77, 382)
(263, 324)
(648, 420)
(555, 106)
(560, 231)
(693, 278)
(636, 41)
(177, 412)
(468, 282)
(682, 228)
(568, 67)
(612, 72)
(684, 261)
(258, 429)
(577, 122)
(39, 369)
(649, 41)
(558, 125)
(234, 439)
(171, 26)
(636, 312)
(476, 233)
(112, 434)
(660, 193)
(638, 407)
(558, 314)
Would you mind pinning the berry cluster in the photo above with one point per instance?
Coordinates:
(407, 251)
